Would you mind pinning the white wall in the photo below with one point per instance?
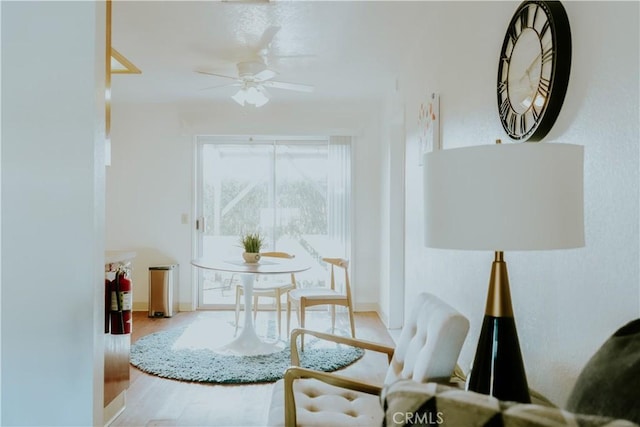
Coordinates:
(566, 302)
(385, 220)
(52, 213)
(148, 189)
(149, 184)
(391, 176)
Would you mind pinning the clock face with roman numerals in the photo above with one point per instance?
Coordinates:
(533, 72)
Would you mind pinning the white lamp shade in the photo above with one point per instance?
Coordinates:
(505, 197)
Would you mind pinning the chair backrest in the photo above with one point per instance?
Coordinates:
(344, 265)
(281, 255)
(277, 255)
(429, 343)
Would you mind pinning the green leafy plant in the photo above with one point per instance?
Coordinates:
(252, 242)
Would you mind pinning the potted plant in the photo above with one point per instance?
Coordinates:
(251, 242)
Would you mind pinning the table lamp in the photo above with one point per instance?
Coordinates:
(503, 197)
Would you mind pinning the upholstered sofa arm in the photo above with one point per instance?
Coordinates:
(367, 345)
(407, 402)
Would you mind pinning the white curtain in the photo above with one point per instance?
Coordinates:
(339, 196)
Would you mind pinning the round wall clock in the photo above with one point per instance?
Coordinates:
(533, 72)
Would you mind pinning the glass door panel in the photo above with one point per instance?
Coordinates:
(237, 185)
(301, 206)
(287, 191)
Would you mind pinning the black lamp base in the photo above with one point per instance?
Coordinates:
(498, 369)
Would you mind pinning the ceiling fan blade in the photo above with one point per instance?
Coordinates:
(219, 86)
(266, 39)
(265, 74)
(294, 56)
(289, 86)
(214, 74)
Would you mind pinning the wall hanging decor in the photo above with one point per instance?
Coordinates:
(429, 126)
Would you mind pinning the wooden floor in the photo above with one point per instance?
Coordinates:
(154, 401)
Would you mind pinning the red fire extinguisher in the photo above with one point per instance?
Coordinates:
(107, 304)
(121, 301)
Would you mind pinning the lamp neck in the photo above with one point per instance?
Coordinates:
(499, 295)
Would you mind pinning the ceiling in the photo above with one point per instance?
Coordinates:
(347, 50)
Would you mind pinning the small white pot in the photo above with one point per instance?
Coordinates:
(251, 257)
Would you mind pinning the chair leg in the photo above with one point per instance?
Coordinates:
(333, 318)
(278, 310)
(288, 316)
(237, 308)
(302, 313)
(351, 322)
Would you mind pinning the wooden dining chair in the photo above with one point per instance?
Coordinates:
(268, 289)
(302, 298)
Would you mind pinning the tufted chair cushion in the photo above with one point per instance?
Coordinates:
(321, 404)
(429, 343)
(428, 348)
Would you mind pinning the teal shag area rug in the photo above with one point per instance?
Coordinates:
(158, 354)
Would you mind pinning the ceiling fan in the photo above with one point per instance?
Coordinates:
(254, 76)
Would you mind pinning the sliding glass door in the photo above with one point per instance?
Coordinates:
(296, 192)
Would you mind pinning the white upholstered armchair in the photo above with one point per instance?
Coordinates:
(427, 350)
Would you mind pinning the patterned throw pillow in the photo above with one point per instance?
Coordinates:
(609, 384)
(408, 403)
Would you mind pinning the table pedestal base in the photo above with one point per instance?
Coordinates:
(248, 343)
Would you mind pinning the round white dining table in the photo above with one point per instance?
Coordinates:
(248, 342)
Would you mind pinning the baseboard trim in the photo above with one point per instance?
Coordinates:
(144, 306)
(367, 306)
(140, 306)
(114, 408)
(186, 307)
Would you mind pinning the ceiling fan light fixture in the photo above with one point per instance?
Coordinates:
(251, 95)
(240, 97)
(254, 74)
(260, 100)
